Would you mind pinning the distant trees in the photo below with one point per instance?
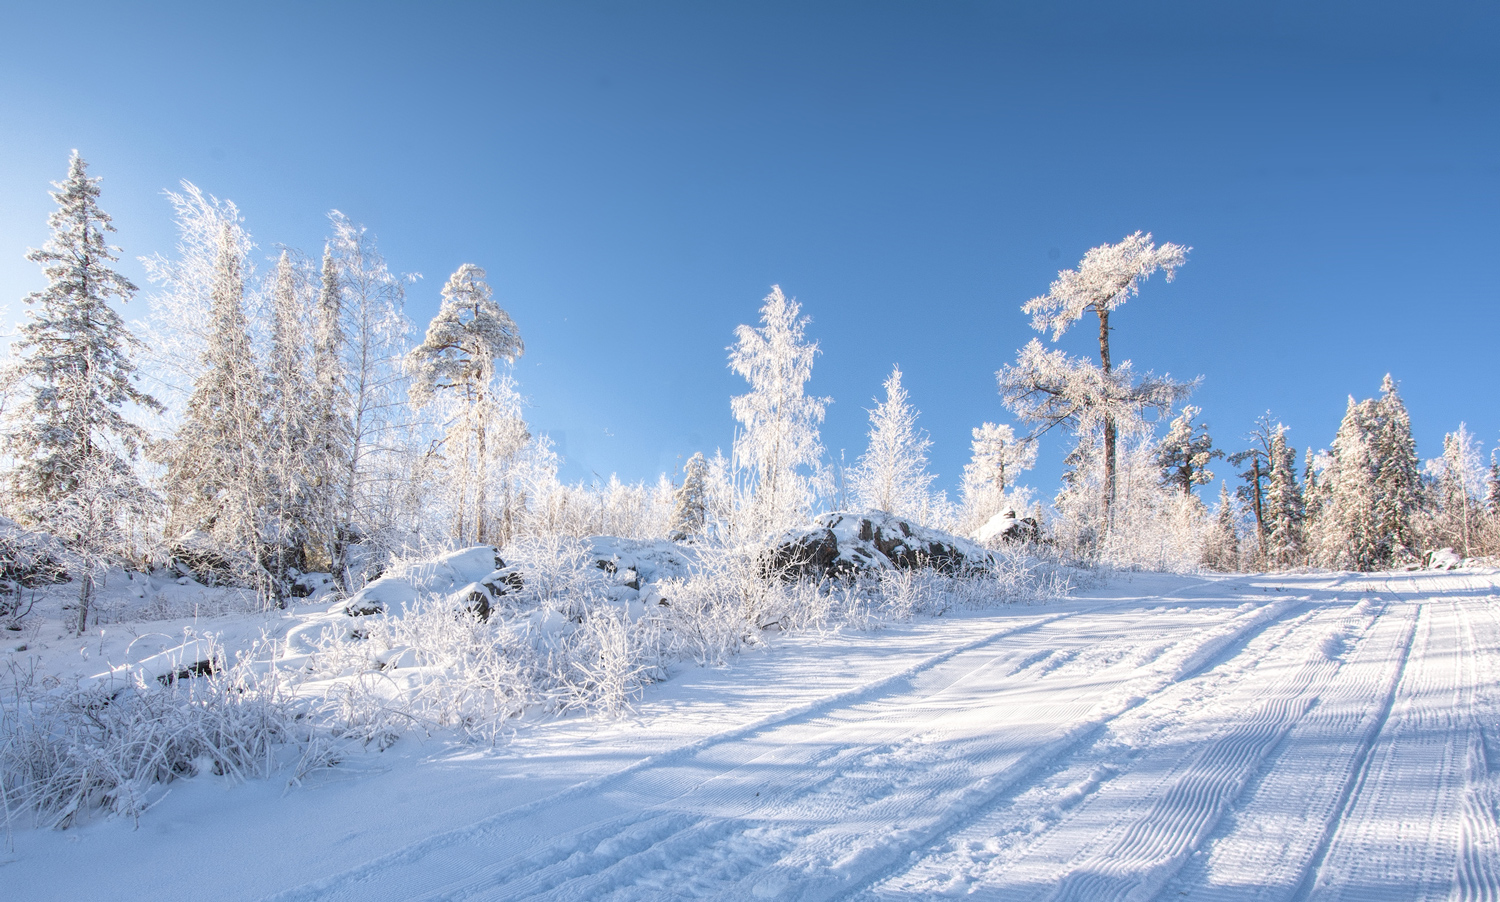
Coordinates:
(777, 442)
(892, 474)
(1370, 491)
(73, 375)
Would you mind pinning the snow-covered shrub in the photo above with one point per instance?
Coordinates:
(65, 752)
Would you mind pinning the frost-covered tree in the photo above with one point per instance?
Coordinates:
(1370, 492)
(329, 433)
(374, 446)
(997, 457)
(217, 463)
(457, 360)
(1459, 478)
(1107, 277)
(1221, 546)
(690, 504)
(1398, 481)
(778, 439)
(290, 406)
(1186, 451)
(1283, 507)
(892, 474)
(72, 378)
(1256, 460)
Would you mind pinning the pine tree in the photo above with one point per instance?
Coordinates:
(892, 474)
(1185, 453)
(1284, 510)
(1107, 277)
(458, 358)
(1255, 475)
(73, 373)
(690, 503)
(778, 433)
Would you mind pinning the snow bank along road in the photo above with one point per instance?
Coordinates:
(1305, 737)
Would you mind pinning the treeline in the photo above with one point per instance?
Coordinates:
(265, 425)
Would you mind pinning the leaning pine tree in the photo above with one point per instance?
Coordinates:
(72, 444)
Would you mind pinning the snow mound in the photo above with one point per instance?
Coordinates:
(468, 571)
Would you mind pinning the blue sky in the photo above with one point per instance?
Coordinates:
(634, 177)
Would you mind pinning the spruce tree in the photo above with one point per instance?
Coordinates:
(1398, 485)
(1348, 534)
(779, 421)
(690, 504)
(1284, 511)
(290, 405)
(328, 420)
(73, 373)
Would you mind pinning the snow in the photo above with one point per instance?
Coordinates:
(1298, 736)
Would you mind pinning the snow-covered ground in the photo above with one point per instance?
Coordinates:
(1285, 737)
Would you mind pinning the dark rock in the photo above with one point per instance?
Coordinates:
(842, 546)
(199, 668)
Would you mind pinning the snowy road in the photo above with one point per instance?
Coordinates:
(1306, 737)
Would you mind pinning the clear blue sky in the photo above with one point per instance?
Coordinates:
(635, 176)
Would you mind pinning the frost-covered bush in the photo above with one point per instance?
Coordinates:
(65, 752)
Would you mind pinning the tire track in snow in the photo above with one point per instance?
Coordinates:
(838, 864)
(1072, 842)
(1398, 836)
(1279, 832)
(816, 815)
(819, 797)
(356, 881)
(1478, 878)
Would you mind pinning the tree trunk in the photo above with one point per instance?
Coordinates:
(1109, 426)
(1260, 520)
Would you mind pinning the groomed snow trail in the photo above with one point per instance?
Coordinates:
(1239, 739)
(1308, 737)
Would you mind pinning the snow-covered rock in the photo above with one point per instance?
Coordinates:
(1444, 559)
(467, 572)
(1006, 527)
(844, 545)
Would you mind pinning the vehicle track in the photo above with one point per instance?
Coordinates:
(902, 753)
(1118, 825)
